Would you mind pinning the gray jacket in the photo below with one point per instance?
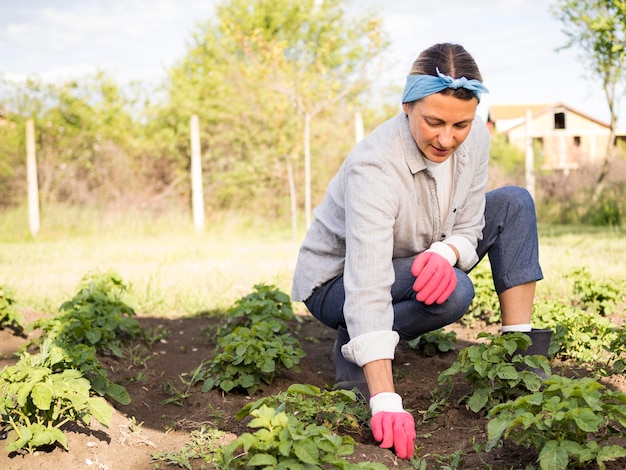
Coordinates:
(381, 205)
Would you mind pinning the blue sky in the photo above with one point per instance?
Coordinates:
(514, 43)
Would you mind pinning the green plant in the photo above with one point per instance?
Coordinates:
(335, 409)
(95, 316)
(284, 442)
(36, 401)
(204, 444)
(569, 420)
(267, 304)
(83, 358)
(249, 356)
(432, 342)
(9, 317)
(598, 296)
(496, 370)
(578, 334)
(253, 344)
(616, 362)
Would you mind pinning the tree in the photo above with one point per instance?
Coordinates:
(598, 27)
(311, 52)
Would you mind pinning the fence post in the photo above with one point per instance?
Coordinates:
(197, 197)
(31, 179)
(530, 156)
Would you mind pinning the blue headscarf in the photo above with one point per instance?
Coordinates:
(419, 86)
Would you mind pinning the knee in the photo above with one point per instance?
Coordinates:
(513, 196)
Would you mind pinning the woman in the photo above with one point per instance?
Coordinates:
(403, 221)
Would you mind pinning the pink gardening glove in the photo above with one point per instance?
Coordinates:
(436, 278)
(392, 425)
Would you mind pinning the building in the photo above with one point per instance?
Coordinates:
(567, 138)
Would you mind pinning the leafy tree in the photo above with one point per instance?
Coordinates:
(256, 75)
(598, 28)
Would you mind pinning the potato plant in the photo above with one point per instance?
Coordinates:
(254, 343)
(96, 316)
(496, 370)
(569, 421)
(37, 399)
(284, 442)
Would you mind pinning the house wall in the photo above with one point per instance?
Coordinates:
(581, 142)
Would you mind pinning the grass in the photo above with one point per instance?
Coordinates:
(172, 270)
(176, 272)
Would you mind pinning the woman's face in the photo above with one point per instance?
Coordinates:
(440, 123)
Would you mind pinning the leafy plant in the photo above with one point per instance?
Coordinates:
(9, 316)
(335, 409)
(253, 345)
(616, 361)
(204, 445)
(36, 401)
(250, 356)
(599, 296)
(579, 334)
(95, 316)
(267, 304)
(284, 442)
(567, 421)
(432, 342)
(83, 358)
(496, 370)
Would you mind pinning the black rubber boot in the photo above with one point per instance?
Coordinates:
(348, 374)
(539, 347)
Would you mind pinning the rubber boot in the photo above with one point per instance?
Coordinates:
(539, 347)
(348, 374)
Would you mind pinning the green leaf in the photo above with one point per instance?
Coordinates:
(478, 400)
(118, 393)
(101, 410)
(496, 428)
(306, 451)
(42, 395)
(587, 420)
(553, 456)
(260, 460)
(608, 453)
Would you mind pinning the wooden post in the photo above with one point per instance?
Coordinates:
(530, 156)
(197, 197)
(31, 178)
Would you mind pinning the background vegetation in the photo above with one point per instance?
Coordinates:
(272, 84)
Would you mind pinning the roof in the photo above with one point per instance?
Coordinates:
(514, 115)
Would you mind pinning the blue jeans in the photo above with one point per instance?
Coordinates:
(510, 240)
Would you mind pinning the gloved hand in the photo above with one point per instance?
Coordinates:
(391, 425)
(436, 279)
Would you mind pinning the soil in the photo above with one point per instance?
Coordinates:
(148, 426)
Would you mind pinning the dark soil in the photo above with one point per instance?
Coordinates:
(148, 425)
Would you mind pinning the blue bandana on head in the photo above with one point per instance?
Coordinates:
(419, 86)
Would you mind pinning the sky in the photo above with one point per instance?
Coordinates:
(514, 43)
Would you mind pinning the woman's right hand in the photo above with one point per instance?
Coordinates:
(391, 425)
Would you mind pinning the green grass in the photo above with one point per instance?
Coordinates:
(565, 248)
(176, 272)
(172, 270)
